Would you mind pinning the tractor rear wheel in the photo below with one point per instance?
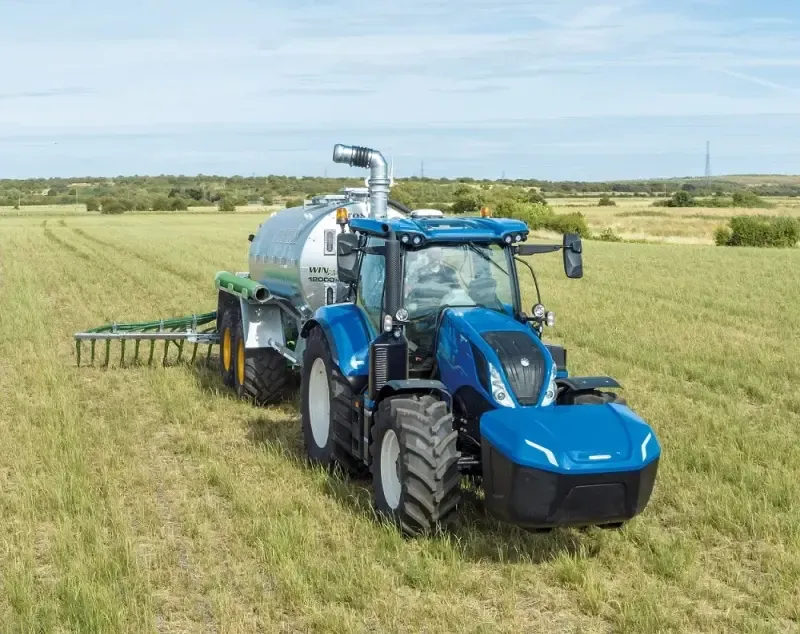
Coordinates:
(416, 480)
(260, 375)
(229, 326)
(326, 408)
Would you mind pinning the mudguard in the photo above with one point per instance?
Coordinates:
(415, 386)
(578, 383)
(349, 334)
(567, 464)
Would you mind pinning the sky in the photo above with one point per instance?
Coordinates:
(550, 89)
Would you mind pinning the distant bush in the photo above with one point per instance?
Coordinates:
(92, 204)
(749, 199)
(605, 201)
(467, 200)
(142, 203)
(743, 199)
(715, 201)
(112, 206)
(643, 213)
(226, 204)
(541, 216)
(755, 231)
(536, 197)
(680, 198)
(178, 204)
(294, 202)
(161, 203)
(608, 235)
(566, 223)
(722, 236)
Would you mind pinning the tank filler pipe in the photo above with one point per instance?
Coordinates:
(378, 178)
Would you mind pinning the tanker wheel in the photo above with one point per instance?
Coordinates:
(229, 326)
(326, 409)
(260, 375)
(415, 475)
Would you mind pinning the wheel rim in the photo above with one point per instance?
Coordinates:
(226, 349)
(390, 480)
(319, 402)
(240, 362)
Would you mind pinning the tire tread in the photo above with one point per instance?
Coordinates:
(432, 486)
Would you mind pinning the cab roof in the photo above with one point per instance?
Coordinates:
(445, 229)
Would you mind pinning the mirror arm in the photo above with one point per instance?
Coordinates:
(534, 249)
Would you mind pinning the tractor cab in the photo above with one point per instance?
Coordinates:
(443, 263)
(450, 275)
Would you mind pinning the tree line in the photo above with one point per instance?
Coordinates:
(166, 192)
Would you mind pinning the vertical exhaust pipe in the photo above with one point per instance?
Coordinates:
(378, 178)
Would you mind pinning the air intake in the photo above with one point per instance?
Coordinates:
(523, 363)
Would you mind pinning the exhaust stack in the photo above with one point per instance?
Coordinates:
(378, 178)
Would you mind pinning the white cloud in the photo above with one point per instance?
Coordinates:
(434, 64)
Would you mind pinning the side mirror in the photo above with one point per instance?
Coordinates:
(347, 257)
(573, 255)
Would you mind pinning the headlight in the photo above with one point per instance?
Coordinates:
(499, 392)
(538, 311)
(550, 395)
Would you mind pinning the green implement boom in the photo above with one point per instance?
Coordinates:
(174, 331)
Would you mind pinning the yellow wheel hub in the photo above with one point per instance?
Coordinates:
(240, 362)
(226, 349)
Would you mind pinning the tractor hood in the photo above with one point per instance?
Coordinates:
(502, 344)
(481, 320)
(571, 438)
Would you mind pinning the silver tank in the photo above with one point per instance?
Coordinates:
(294, 251)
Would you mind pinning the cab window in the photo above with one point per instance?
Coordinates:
(371, 283)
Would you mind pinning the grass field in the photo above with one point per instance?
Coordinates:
(149, 500)
(636, 218)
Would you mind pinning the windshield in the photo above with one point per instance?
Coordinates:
(456, 275)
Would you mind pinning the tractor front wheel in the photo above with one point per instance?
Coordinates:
(416, 480)
(327, 408)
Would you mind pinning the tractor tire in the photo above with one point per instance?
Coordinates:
(326, 409)
(415, 474)
(260, 375)
(229, 327)
(592, 397)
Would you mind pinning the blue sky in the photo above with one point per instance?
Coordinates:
(557, 89)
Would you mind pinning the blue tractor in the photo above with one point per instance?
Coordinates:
(429, 370)
(418, 364)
